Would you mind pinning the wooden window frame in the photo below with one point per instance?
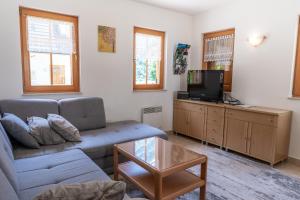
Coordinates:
(296, 81)
(27, 87)
(161, 34)
(229, 74)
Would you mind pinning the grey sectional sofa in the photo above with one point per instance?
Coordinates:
(24, 173)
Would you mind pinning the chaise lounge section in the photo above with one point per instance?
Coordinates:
(32, 171)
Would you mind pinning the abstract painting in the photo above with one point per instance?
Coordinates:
(106, 39)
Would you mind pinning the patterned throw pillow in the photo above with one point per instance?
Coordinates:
(64, 128)
(95, 190)
(41, 131)
(19, 130)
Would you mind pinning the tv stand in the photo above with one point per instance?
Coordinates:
(259, 132)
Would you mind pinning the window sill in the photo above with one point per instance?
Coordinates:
(48, 94)
(139, 91)
(293, 98)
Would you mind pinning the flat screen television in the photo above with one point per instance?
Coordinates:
(206, 85)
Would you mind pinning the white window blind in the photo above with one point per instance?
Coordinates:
(50, 36)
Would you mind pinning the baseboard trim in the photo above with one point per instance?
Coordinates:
(294, 161)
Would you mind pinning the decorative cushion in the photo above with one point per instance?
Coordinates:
(6, 190)
(19, 130)
(64, 128)
(96, 190)
(41, 131)
(83, 113)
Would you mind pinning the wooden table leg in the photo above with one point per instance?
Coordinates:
(116, 163)
(158, 186)
(203, 176)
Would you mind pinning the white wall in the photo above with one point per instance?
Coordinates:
(102, 74)
(262, 75)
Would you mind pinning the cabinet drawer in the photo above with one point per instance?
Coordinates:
(259, 118)
(214, 137)
(215, 122)
(215, 112)
(189, 106)
(212, 128)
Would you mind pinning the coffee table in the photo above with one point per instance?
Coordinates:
(159, 168)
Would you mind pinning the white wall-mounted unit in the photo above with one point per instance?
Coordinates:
(152, 116)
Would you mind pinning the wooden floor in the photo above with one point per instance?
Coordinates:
(285, 167)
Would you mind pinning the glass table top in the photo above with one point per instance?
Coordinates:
(158, 153)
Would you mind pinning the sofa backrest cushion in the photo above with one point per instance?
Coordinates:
(25, 108)
(6, 142)
(83, 113)
(7, 166)
(7, 192)
(4, 133)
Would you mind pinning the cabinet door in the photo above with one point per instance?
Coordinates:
(236, 135)
(180, 121)
(196, 125)
(261, 141)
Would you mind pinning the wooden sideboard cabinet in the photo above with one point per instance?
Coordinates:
(259, 132)
(262, 134)
(189, 119)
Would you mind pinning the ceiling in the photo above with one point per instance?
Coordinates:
(190, 7)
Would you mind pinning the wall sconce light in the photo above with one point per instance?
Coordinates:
(256, 39)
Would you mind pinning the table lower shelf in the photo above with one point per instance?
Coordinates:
(173, 186)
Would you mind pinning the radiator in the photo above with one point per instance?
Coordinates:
(152, 116)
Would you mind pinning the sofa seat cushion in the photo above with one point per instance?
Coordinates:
(83, 113)
(48, 161)
(98, 143)
(38, 174)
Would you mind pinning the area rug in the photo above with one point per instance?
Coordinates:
(234, 177)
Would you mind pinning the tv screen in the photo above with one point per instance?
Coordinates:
(206, 85)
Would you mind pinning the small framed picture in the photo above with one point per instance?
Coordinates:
(106, 39)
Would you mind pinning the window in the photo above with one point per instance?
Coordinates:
(49, 52)
(148, 59)
(218, 50)
(296, 86)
